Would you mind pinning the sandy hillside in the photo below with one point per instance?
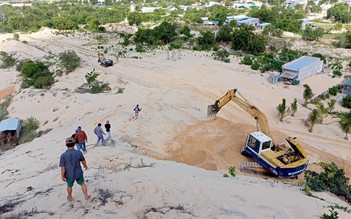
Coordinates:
(135, 176)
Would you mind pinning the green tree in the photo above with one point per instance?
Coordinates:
(307, 94)
(185, 31)
(218, 13)
(273, 31)
(331, 105)
(293, 107)
(346, 101)
(134, 18)
(312, 34)
(206, 40)
(313, 119)
(243, 38)
(165, 32)
(69, 60)
(345, 123)
(92, 23)
(339, 12)
(322, 112)
(222, 55)
(7, 60)
(63, 23)
(316, 8)
(224, 34)
(282, 110)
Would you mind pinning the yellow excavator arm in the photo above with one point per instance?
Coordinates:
(242, 102)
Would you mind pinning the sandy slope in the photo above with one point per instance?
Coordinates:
(172, 126)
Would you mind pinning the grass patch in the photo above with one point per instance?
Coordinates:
(3, 108)
(29, 130)
(7, 60)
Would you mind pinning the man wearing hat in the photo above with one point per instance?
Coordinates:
(71, 169)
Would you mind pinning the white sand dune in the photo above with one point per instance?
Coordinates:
(169, 163)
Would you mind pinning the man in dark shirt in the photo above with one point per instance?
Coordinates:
(108, 128)
(71, 170)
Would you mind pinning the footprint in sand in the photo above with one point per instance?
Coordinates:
(238, 200)
(267, 211)
(230, 214)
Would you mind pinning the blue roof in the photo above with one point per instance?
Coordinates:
(9, 124)
(300, 63)
(348, 83)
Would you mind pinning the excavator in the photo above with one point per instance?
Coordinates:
(283, 161)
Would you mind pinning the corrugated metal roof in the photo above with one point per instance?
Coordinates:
(248, 20)
(348, 83)
(9, 124)
(300, 63)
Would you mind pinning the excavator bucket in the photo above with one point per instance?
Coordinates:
(211, 110)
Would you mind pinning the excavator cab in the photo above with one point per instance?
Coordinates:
(256, 143)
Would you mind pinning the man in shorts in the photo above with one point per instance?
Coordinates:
(71, 170)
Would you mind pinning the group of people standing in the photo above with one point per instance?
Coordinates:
(70, 160)
(81, 137)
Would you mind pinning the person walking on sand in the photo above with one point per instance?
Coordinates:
(100, 134)
(71, 169)
(108, 130)
(136, 111)
(81, 138)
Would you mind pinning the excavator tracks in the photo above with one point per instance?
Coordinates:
(253, 168)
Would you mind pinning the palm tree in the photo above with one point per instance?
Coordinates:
(307, 94)
(322, 112)
(313, 119)
(331, 105)
(282, 110)
(345, 123)
(293, 107)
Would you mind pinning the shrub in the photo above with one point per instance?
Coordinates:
(7, 60)
(20, 65)
(3, 108)
(43, 82)
(139, 48)
(222, 55)
(246, 60)
(332, 179)
(36, 74)
(91, 76)
(255, 66)
(337, 73)
(346, 101)
(333, 91)
(69, 60)
(175, 46)
(30, 68)
(120, 90)
(16, 36)
(322, 57)
(99, 88)
(31, 123)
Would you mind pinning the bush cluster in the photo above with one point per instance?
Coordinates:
(332, 179)
(7, 60)
(267, 62)
(36, 74)
(346, 101)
